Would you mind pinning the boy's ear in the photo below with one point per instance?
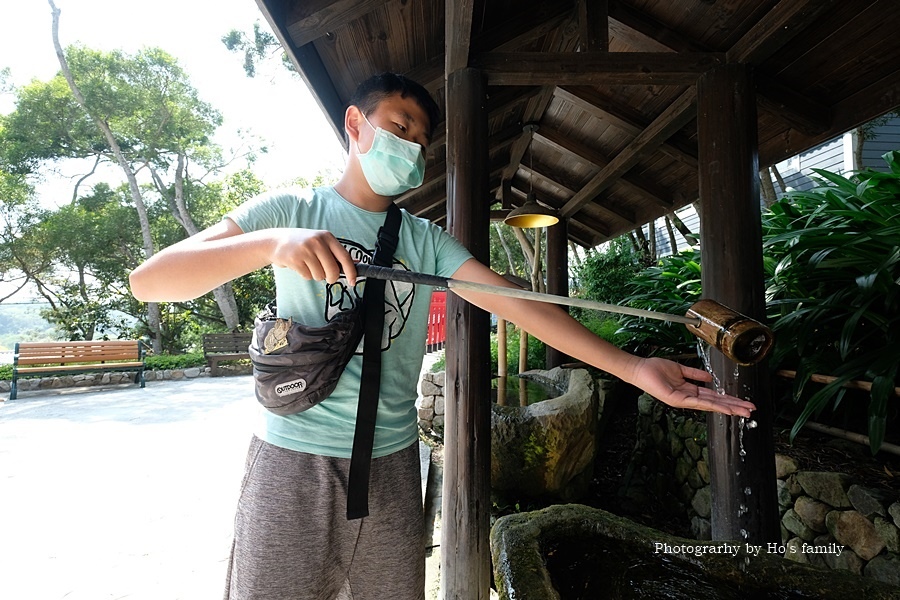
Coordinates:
(352, 120)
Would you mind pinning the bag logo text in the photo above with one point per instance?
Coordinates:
(290, 387)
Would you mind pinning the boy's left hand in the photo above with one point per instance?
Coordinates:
(667, 382)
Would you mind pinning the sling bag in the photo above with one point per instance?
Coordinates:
(296, 366)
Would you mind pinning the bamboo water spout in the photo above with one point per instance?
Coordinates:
(740, 338)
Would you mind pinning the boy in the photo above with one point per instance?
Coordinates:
(292, 539)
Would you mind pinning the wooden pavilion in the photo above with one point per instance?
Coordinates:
(641, 107)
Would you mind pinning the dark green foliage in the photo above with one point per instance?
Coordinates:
(671, 286)
(834, 288)
(605, 276)
(175, 361)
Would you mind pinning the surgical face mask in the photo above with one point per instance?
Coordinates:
(392, 165)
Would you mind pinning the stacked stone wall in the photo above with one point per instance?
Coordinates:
(430, 403)
(819, 510)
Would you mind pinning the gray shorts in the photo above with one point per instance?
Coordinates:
(292, 539)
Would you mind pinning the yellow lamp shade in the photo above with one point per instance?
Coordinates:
(531, 214)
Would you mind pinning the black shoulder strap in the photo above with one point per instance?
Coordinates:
(370, 380)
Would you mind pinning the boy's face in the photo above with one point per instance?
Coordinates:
(401, 116)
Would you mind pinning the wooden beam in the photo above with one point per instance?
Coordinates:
(457, 34)
(309, 21)
(593, 26)
(625, 118)
(601, 68)
(571, 147)
(776, 28)
(742, 469)
(523, 27)
(809, 116)
(466, 508)
(677, 115)
(650, 29)
(533, 112)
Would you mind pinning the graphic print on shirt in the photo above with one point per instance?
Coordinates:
(398, 296)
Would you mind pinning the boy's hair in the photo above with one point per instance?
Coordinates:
(378, 87)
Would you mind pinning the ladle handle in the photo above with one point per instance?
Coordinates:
(457, 284)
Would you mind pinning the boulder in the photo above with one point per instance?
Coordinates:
(784, 466)
(795, 525)
(850, 528)
(889, 533)
(830, 488)
(812, 513)
(868, 501)
(885, 568)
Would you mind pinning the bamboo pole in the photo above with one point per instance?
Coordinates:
(851, 385)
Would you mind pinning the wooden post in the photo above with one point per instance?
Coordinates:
(501, 361)
(465, 550)
(557, 277)
(742, 469)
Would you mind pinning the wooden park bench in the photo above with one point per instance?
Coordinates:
(225, 346)
(33, 359)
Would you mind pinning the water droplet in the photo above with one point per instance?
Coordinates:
(751, 424)
(744, 534)
(747, 491)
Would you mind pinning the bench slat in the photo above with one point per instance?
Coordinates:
(64, 368)
(48, 358)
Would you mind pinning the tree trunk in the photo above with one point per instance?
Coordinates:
(153, 313)
(506, 249)
(224, 294)
(858, 150)
(537, 274)
(766, 187)
(686, 233)
(779, 179)
(673, 243)
(651, 238)
(576, 258)
(642, 244)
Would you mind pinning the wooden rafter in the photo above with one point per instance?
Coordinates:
(311, 20)
(593, 25)
(575, 149)
(624, 118)
(677, 115)
(457, 35)
(594, 68)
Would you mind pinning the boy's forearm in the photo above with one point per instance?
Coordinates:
(196, 266)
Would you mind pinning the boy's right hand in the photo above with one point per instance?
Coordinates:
(313, 254)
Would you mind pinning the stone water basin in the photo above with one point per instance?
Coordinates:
(545, 450)
(574, 552)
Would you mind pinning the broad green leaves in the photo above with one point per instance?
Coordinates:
(835, 289)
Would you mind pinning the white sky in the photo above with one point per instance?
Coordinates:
(274, 106)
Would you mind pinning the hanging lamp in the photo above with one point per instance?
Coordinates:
(532, 214)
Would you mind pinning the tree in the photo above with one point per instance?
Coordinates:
(260, 46)
(138, 112)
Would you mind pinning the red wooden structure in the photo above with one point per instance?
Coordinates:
(437, 322)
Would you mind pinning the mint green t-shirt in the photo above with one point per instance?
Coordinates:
(327, 428)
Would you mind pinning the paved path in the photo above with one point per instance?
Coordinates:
(121, 492)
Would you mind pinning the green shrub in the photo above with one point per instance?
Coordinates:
(605, 276)
(671, 286)
(833, 266)
(6, 372)
(174, 361)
